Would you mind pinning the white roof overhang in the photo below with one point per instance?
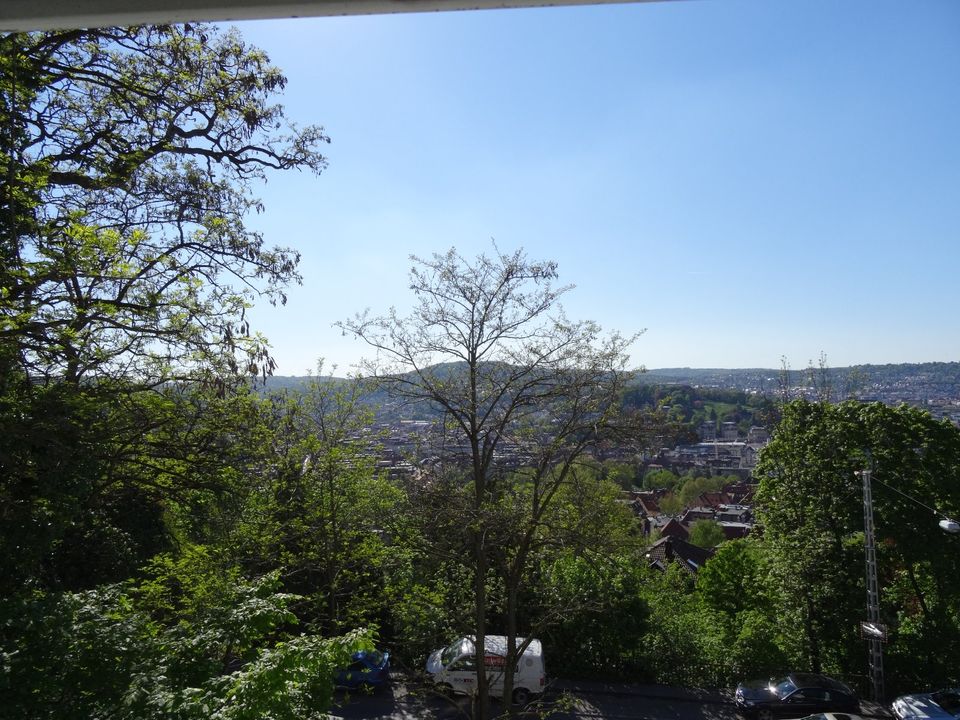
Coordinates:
(22, 15)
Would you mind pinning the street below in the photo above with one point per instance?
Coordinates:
(563, 700)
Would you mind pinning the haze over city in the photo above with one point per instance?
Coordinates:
(747, 181)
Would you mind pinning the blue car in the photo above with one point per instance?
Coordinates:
(370, 668)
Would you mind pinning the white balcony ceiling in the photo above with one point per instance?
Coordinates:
(53, 14)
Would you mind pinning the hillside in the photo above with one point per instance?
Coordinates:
(913, 383)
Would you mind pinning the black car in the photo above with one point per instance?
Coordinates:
(795, 695)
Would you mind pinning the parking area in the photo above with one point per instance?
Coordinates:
(406, 699)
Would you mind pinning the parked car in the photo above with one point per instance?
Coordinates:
(940, 705)
(369, 668)
(795, 695)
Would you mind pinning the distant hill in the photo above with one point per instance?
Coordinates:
(924, 381)
(942, 375)
(934, 385)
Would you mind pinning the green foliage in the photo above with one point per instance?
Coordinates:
(732, 581)
(604, 618)
(99, 654)
(47, 470)
(128, 170)
(622, 474)
(128, 450)
(98, 478)
(320, 514)
(755, 649)
(694, 487)
(689, 406)
(72, 654)
(810, 504)
(657, 479)
(292, 680)
(684, 643)
(732, 586)
(706, 533)
(670, 504)
(429, 603)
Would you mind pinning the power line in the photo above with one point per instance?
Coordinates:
(912, 499)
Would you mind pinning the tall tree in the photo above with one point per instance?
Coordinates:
(488, 347)
(320, 513)
(811, 507)
(128, 158)
(128, 161)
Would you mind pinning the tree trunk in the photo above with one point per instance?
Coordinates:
(919, 592)
(511, 660)
(482, 700)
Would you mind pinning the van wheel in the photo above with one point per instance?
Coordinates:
(521, 696)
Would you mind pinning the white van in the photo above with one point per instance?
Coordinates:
(454, 667)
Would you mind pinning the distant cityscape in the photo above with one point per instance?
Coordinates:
(409, 438)
(717, 446)
(933, 386)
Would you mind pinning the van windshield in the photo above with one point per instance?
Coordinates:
(452, 653)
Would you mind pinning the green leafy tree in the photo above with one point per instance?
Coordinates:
(671, 504)
(732, 581)
(130, 157)
(622, 474)
(102, 653)
(706, 533)
(607, 616)
(684, 643)
(319, 513)
(810, 505)
(128, 167)
(732, 586)
(657, 479)
(693, 487)
(98, 478)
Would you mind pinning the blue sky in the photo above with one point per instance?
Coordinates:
(746, 180)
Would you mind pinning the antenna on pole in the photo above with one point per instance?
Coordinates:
(872, 630)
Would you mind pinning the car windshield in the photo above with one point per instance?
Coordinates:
(375, 657)
(949, 700)
(783, 687)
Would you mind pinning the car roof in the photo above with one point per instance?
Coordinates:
(809, 680)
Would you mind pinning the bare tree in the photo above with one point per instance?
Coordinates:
(488, 346)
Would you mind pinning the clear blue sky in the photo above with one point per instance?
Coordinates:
(745, 179)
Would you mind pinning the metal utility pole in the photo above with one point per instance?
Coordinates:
(872, 630)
